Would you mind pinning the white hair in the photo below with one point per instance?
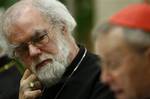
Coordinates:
(56, 13)
(3, 44)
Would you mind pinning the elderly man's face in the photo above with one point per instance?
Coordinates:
(124, 70)
(43, 50)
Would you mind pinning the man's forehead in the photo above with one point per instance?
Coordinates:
(20, 6)
(114, 35)
(26, 20)
(26, 13)
(112, 40)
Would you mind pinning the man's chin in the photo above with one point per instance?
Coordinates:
(49, 82)
(50, 75)
(121, 96)
(127, 96)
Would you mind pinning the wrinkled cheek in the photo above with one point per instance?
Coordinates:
(132, 84)
(51, 48)
(141, 86)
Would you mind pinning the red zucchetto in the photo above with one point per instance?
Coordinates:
(133, 16)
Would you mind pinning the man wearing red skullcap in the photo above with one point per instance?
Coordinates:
(124, 46)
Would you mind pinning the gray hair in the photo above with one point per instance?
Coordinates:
(100, 29)
(136, 38)
(54, 11)
(3, 44)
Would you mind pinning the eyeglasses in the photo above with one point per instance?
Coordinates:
(38, 41)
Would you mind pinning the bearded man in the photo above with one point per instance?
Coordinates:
(38, 33)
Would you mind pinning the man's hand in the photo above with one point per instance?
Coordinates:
(30, 86)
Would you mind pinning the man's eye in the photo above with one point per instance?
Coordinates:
(39, 39)
(110, 64)
(22, 48)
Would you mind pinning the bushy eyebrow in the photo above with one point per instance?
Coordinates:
(13, 46)
(39, 33)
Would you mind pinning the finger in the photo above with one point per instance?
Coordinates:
(31, 78)
(32, 94)
(27, 73)
(37, 85)
(26, 84)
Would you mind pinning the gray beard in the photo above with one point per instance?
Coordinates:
(51, 73)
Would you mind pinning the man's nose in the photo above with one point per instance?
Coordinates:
(33, 50)
(106, 77)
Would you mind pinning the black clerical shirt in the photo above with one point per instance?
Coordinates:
(84, 83)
